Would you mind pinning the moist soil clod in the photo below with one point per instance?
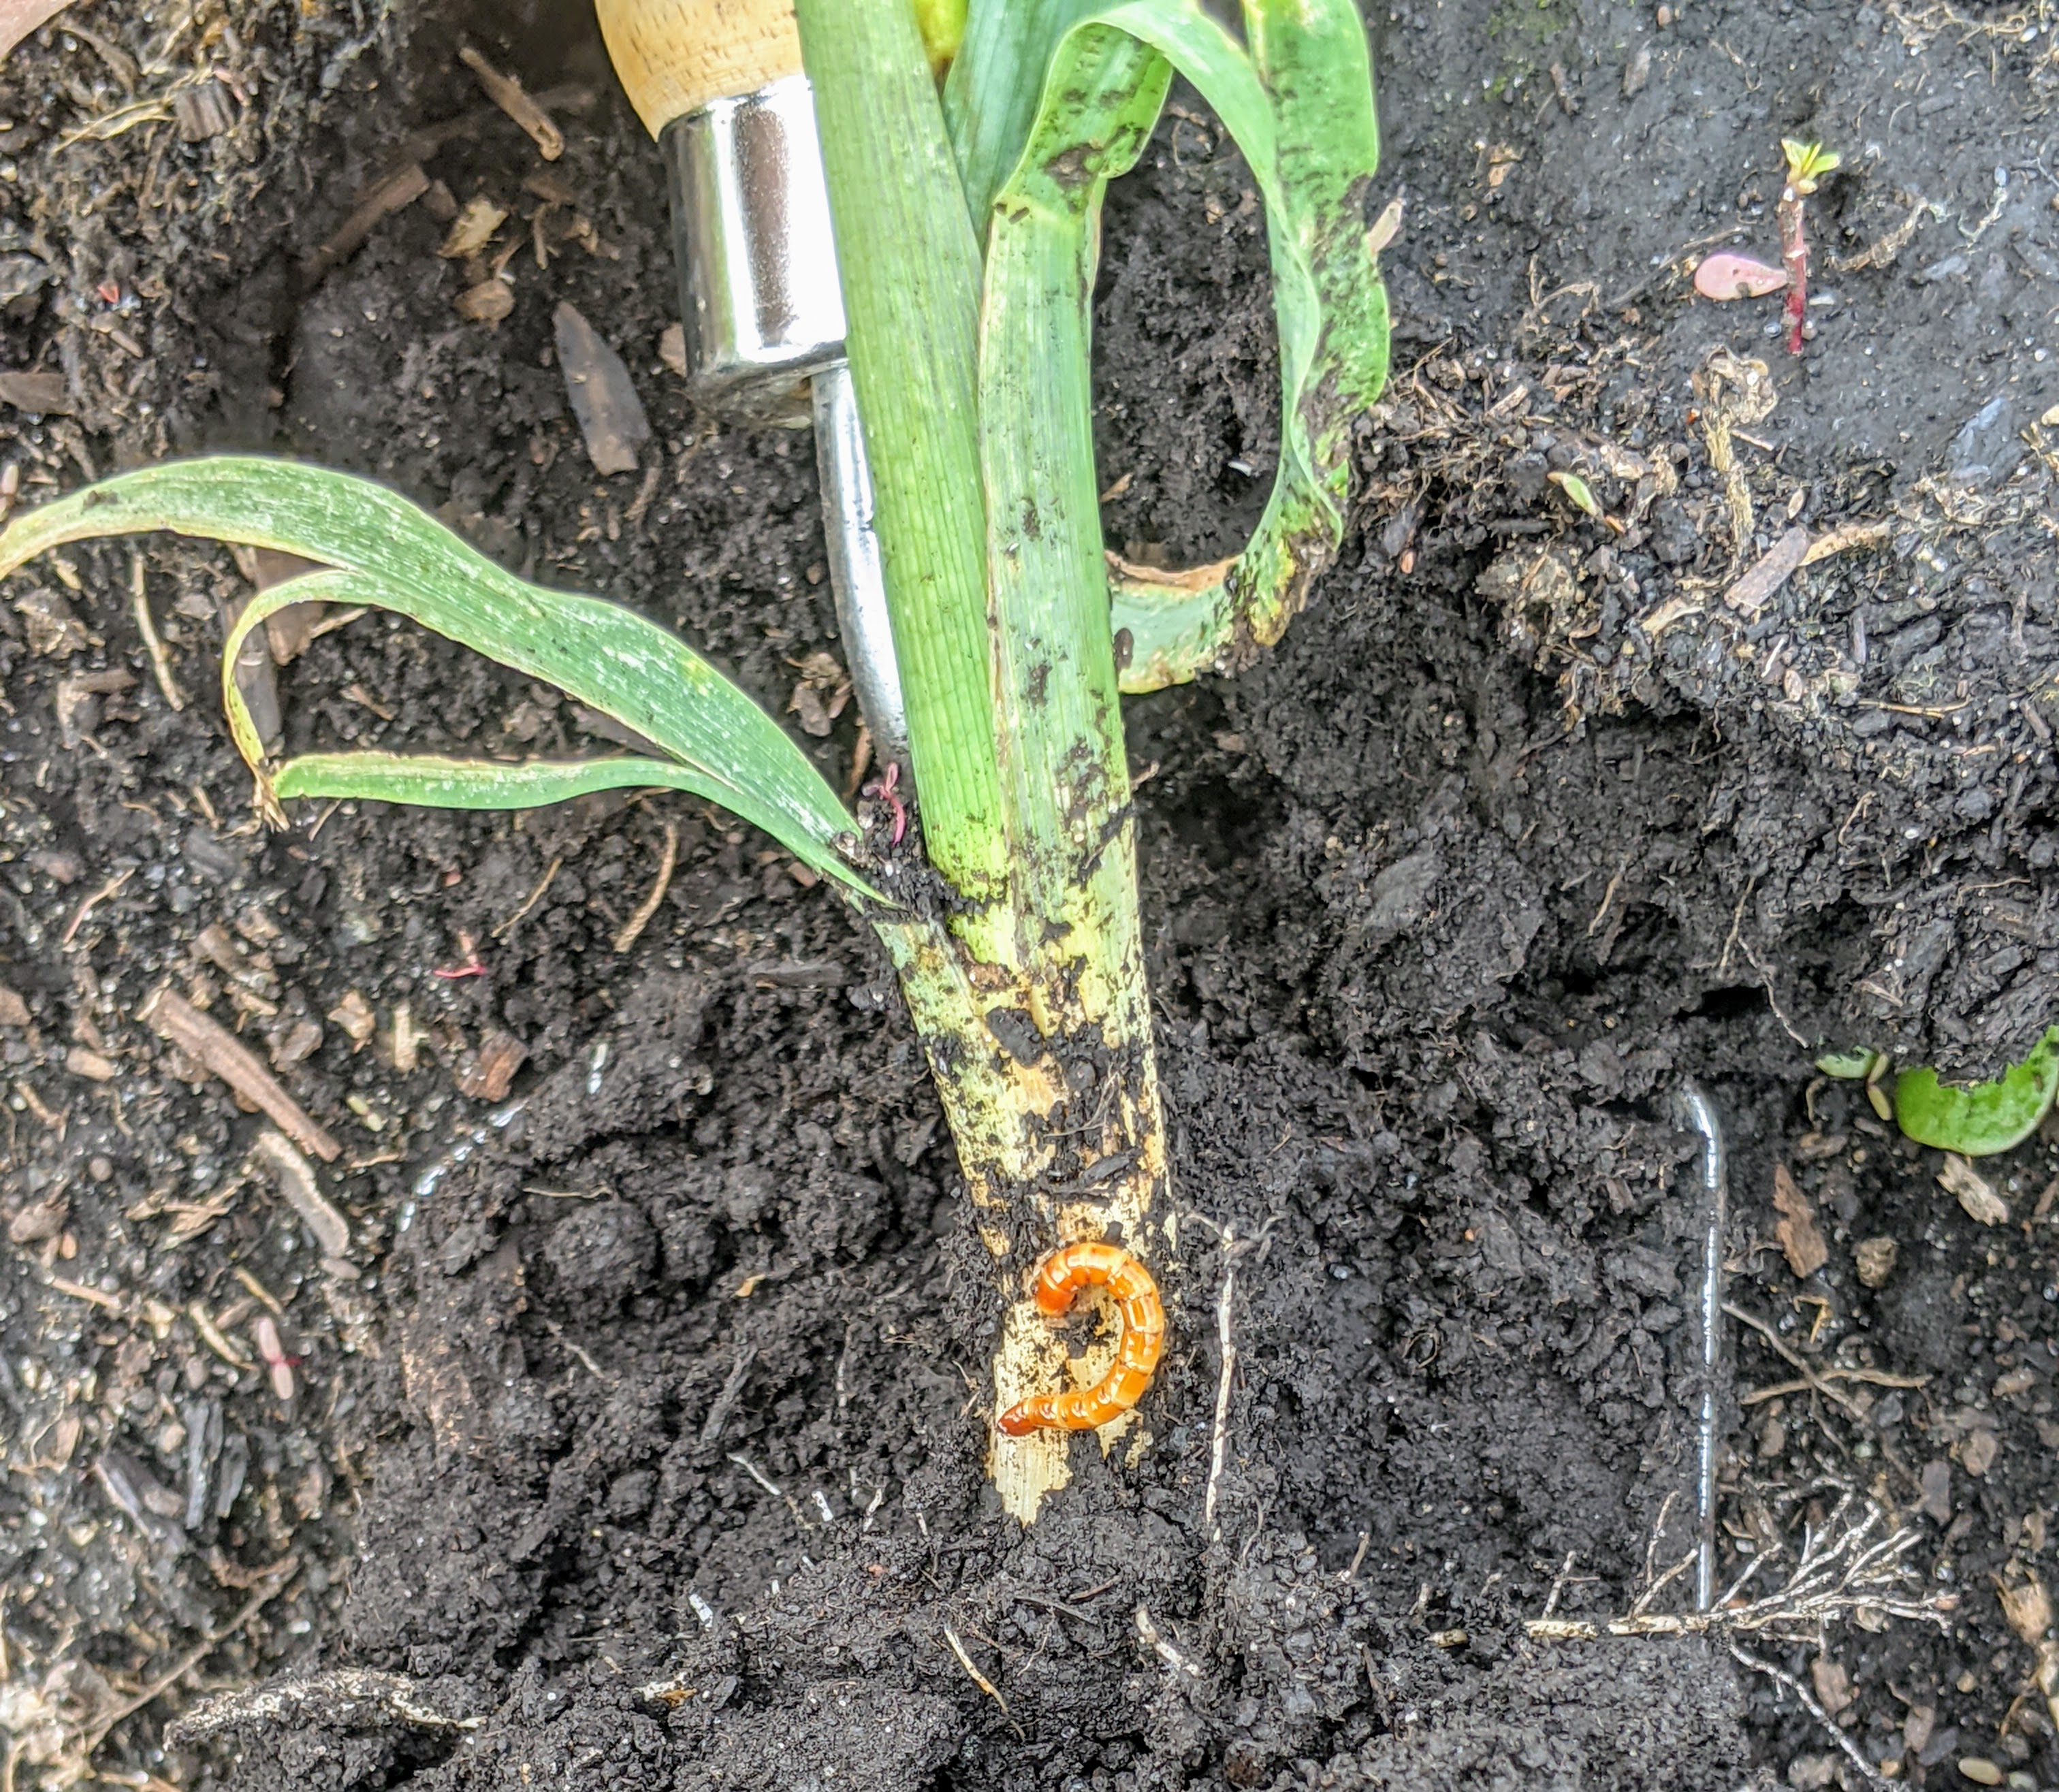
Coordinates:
(638, 1439)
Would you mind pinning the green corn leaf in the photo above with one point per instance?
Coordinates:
(910, 267)
(430, 782)
(1987, 1117)
(1300, 105)
(991, 99)
(380, 550)
(1064, 780)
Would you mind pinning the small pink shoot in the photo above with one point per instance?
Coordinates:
(1727, 276)
(1807, 163)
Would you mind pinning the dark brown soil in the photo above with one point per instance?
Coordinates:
(646, 1447)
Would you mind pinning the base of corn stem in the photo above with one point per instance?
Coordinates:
(1049, 1156)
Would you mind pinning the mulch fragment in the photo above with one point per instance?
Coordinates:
(211, 1045)
(611, 415)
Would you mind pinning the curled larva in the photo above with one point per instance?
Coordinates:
(1060, 1276)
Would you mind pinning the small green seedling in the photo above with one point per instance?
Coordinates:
(1577, 490)
(1849, 1067)
(1979, 1121)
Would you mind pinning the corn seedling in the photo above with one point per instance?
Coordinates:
(968, 220)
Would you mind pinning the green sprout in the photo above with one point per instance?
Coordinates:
(1981, 1119)
(1807, 163)
(1856, 1066)
(1976, 1120)
(1578, 490)
(969, 223)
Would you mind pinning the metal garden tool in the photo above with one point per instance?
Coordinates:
(718, 83)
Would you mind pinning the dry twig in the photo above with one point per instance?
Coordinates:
(295, 1179)
(1227, 1349)
(509, 94)
(160, 662)
(395, 192)
(212, 1046)
(633, 928)
(1839, 1733)
(1815, 1382)
(1172, 1658)
(532, 900)
(274, 1584)
(392, 1695)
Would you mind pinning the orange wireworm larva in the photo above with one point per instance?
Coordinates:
(1060, 1276)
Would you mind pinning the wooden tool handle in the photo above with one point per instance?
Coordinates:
(675, 56)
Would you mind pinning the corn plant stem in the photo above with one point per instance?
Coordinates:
(910, 269)
(1064, 781)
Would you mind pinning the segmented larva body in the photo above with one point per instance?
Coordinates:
(1061, 1276)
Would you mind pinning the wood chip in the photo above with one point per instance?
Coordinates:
(212, 1046)
(294, 1177)
(38, 1222)
(397, 192)
(507, 93)
(1833, 1685)
(1385, 228)
(42, 393)
(1845, 537)
(82, 1061)
(1977, 1455)
(19, 18)
(1758, 587)
(202, 112)
(353, 1014)
(472, 229)
(487, 1073)
(406, 1040)
(294, 1041)
(487, 303)
(611, 415)
(1800, 1240)
(288, 632)
(53, 626)
(1875, 1258)
(1981, 1203)
(2028, 1609)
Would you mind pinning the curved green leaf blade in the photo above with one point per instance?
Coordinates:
(1987, 1117)
(429, 781)
(1300, 106)
(380, 550)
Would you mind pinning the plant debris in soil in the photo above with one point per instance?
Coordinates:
(608, 1409)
